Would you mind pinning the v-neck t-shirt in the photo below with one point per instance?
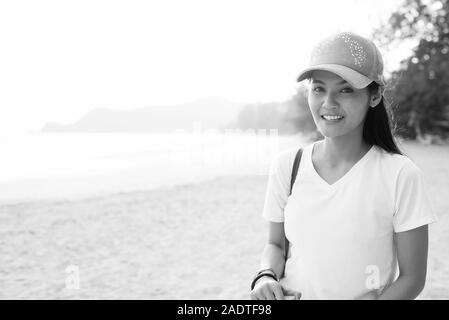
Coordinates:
(342, 234)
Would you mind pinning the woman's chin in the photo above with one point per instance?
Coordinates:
(329, 133)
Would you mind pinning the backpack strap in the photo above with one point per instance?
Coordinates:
(292, 182)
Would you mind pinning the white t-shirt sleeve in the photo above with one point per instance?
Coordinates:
(412, 205)
(278, 187)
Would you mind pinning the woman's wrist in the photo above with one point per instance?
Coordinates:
(264, 278)
(265, 273)
(268, 270)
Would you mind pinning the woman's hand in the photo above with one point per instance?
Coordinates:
(269, 289)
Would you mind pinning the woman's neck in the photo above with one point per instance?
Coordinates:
(339, 151)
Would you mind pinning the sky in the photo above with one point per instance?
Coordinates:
(61, 59)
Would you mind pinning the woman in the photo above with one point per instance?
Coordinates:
(357, 217)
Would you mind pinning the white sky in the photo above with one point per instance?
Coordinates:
(60, 59)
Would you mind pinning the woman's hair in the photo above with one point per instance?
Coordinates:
(378, 128)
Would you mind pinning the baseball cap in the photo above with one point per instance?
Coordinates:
(350, 56)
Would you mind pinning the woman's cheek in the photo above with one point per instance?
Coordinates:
(315, 114)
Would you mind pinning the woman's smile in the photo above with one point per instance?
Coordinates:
(332, 119)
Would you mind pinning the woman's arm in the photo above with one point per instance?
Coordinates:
(273, 253)
(411, 246)
(273, 257)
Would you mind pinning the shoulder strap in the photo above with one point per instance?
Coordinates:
(292, 181)
(295, 168)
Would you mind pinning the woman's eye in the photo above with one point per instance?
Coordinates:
(318, 89)
(347, 90)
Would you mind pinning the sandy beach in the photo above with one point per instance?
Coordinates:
(193, 241)
(199, 241)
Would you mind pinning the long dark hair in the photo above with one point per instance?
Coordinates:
(379, 125)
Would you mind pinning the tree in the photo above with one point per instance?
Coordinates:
(289, 117)
(420, 88)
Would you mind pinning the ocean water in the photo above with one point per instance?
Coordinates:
(49, 166)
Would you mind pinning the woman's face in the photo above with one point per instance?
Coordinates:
(330, 95)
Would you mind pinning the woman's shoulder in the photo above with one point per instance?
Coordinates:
(394, 162)
(287, 156)
(283, 160)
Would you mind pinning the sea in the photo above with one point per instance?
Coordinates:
(48, 166)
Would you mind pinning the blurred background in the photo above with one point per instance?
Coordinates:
(136, 136)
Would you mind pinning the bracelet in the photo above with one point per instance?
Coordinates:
(260, 275)
(267, 269)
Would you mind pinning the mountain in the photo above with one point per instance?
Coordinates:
(211, 113)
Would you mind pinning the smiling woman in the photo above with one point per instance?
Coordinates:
(327, 92)
(357, 207)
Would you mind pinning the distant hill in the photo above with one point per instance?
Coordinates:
(212, 113)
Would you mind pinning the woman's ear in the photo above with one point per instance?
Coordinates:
(375, 98)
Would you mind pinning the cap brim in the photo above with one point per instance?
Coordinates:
(354, 78)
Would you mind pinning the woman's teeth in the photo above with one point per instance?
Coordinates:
(332, 117)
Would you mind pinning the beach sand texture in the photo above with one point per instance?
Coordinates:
(192, 241)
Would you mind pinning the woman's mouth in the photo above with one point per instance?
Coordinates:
(332, 118)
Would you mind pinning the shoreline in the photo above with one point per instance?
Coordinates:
(127, 168)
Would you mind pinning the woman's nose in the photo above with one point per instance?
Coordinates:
(329, 101)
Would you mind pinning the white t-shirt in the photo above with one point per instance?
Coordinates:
(341, 235)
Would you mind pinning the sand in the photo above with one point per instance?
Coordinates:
(199, 241)
(193, 241)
